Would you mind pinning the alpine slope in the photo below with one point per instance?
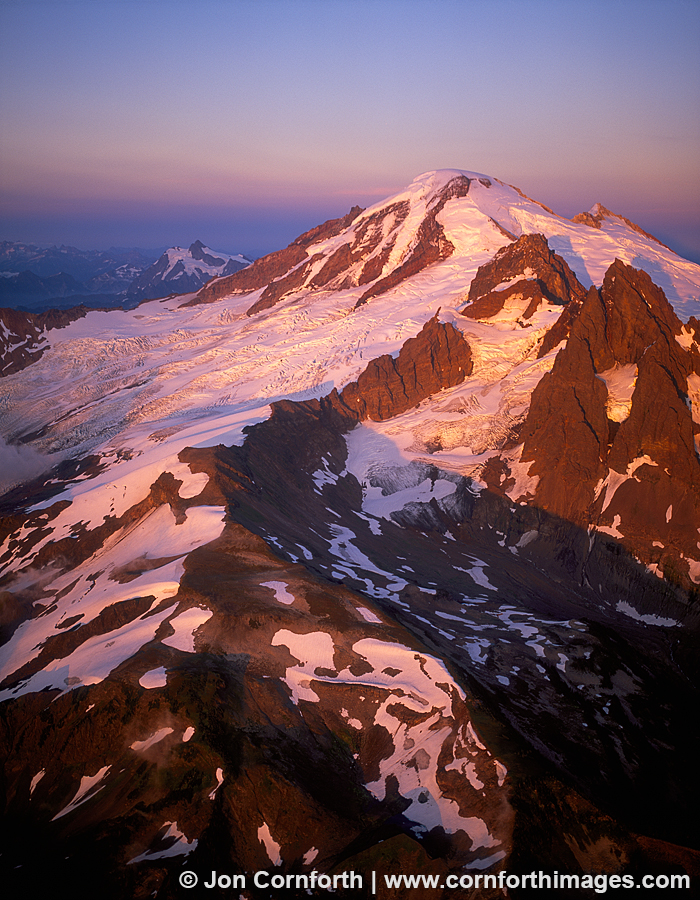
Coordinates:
(392, 533)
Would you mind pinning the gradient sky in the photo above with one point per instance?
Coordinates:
(157, 122)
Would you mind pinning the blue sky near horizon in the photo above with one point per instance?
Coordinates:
(243, 123)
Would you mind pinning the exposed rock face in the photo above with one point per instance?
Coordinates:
(567, 424)
(275, 481)
(367, 237)
(293, 280)
(281, 710)
(198, 251)
(220, 619)
(431, 245)
(609, 430)
(275, 265)
(22, 339)
(377, 738)
(361, 259)
(438, 357)
(527, 272)
(343, 267)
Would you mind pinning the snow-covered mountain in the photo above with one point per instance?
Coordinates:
(179, 270)
(392, 533)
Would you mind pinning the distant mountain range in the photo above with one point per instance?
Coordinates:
(36, 278)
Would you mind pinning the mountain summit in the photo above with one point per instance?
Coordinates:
(398, 238)
(179, 271)
(392, 533)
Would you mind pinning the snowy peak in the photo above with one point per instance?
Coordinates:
(598, 216)
(373, 250)
(444, 225)
(179, 271)
(199, 251)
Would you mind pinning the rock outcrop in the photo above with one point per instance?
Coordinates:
(361, 258)
(431, 244)
(525, 273)
(22, 335)
(434, 634)
(267, 269)
(598, 214)
(294, 440)
(610, 431)
(294, 697)
(438, 357)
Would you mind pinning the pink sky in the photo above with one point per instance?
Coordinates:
(243, 124)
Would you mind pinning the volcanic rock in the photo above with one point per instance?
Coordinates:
(598, 213)
(23, 341)
(632, 469)
(234, 606)
(430, 246)
(536, 274)
(268, 268)
(364, 239)
(438, 357)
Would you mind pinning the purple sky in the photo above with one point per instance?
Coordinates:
(244, 123)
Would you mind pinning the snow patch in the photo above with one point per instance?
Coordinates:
(178, 845)
(140, 746)
(613, 530)
(310, 856)
(93, 660)
(312, 650)
(614, 479)
(479, 577)
(271, 846)
(368, 615)
(155, 678)
(35, 780)
(282, 595)
(219, 782)
(85, 792)
(620, 382)
(648, 619)
(185, 626)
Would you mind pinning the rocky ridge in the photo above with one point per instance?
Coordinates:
(23, 337)
(611, 430)
(598, 214)
(362, 257)
(521, 277)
